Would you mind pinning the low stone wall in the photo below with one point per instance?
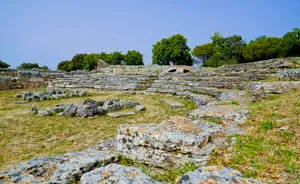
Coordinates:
(22, 79)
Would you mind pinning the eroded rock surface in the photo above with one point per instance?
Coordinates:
(173, 142)
(215, 175)
(115, 173)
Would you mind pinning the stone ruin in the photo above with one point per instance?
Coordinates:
(89, 108)
(222, 94)
(51, 93)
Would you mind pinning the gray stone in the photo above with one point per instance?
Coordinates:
(173, 142)
(140, 108)
(119, 114)
(70, 110)
(113, 107)
(87, 110)
(173, 104)
(215, 174)
(114, 173)
(43, 113)
(61, 169)
(101, 111)
(32, 110)
(128, 103)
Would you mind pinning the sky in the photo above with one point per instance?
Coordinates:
(50, 31)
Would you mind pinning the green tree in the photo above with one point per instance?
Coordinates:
(228, 50)
(172, 50)
(44, 67)
(77, 62)
(203, 52)
(64, 66)
(133, 57)
(262, 48)
(117, 58)
(290, 44)
(28, 66)
(3, 64)
(90, 61)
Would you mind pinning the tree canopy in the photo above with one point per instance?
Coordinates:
(172, 50)
(262, 48)
(3, 64)
(28, 66)
(290, 44)
(203, 52)
(64, 66)
(133, 57)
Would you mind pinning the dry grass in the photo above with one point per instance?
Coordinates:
(271, 149)
(23, 136)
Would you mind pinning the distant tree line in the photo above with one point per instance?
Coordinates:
(233, 49)
(3, 64)
(90, 61)
(24, 66)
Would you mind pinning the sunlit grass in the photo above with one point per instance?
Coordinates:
(24, 136)
(271, 149)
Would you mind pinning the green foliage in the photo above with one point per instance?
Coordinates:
(3, 64)
(290, 44)
(90, 61)
(203, 52)
(77, 62)
(117, 58)
(227, 50)
(262, 48)
(133, 57)
(28, 66)
(44, 67)
(172, 50)
(266, 125)
(64, 66)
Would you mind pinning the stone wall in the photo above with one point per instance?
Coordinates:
(21, 79)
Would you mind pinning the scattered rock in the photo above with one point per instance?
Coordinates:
(214, 175)
(129, 104)
(87, 110)
(119, 114)
(114, 173)
(43, 113)
(173, 104)
(70, 110)
(18, 95)
(32, 110)
(140, 108)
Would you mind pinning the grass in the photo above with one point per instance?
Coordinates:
(232, 102)
(271, 149)
(271, 79)
(170, 175)
(24, 136)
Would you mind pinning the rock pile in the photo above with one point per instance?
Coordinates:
(88, 108)
(52, 93)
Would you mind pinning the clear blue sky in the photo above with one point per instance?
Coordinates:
(49, 31)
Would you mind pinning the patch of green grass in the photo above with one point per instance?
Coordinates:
(232, 102)
(24, 136)
(214, 120)
(266, 125)
(273, 78)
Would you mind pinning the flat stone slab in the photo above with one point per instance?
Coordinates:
(119, 114)
(173, 104)
(62, 168)
(176, 141)
(215, 175)
(230, 115)
(114, 173)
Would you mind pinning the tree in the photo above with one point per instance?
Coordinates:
(44, 67)
(77, 62)
(172, 50)
(116, 58)
(133, 57)
(228, 50)
(262, 48)
(203, 52)
(90, 61)
(28, 66)
(3, 64)
(290, 44)
(64, 66)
